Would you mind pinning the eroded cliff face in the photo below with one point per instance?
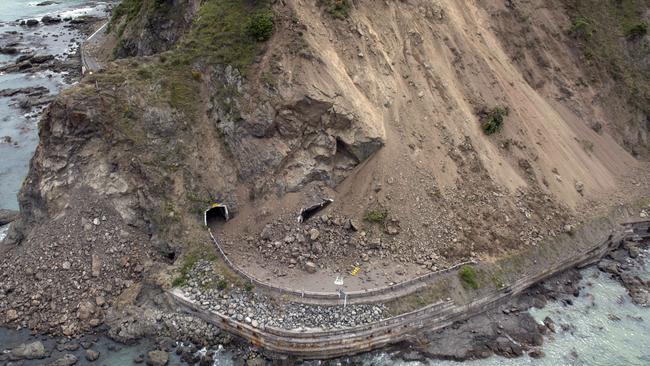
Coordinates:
(147, 27)
(378, 110)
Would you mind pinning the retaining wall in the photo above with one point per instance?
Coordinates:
(318, 344)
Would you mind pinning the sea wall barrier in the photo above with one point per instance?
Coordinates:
(323, 344)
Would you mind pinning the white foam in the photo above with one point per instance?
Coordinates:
(3, 231)
(87, 10)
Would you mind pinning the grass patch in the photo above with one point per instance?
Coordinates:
(492, 119)
(226, 32)
(607, 23)
(468, 276)
(128, 9)
(200, 252)
(339, 9)
(637, 30)
(581, 29)
(222, 285)
(419, 299)
(375, 216)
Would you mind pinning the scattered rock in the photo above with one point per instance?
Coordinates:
(255, 361)
(580, 187)
(311, 267)
(66, 360)
(92, 355)
(7, 216)
(50, 20)
(314, 234)
(157, 358)
(86, 309)
(266, 233)
(96, 265)
(536, 353)
(550, 324)
(8, 50)
(28, 351)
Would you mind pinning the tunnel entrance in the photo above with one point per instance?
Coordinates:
(310, 211)
(216, 215)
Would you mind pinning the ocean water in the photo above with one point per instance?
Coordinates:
(606, 330)
(17, 125)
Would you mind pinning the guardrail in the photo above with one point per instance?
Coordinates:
(88, 64)
(319, 344)
(333, 298)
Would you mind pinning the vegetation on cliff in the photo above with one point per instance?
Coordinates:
(609, 34)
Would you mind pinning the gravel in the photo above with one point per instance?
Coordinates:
(260, 311)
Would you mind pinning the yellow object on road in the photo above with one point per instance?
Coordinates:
(355, 271)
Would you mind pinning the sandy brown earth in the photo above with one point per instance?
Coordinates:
(417, 80)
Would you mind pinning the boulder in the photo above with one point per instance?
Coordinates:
(92, 355)
(41, 59)
(7, 216)
(28, 351)
(310, 267)
(32, 22)
(536, 353)
(85, 310)
(255, 361)
(50, 20)
(66, 360)
(8, 50)
(314, 234)
(157, 358)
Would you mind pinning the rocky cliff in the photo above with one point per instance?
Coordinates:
(381, 106)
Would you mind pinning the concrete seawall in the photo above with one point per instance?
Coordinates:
(590, 243)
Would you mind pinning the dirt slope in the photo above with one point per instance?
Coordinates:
(418, 78)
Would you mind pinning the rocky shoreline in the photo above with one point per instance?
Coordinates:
(510, 330)
(507, 331)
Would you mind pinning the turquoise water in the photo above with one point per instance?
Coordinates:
(11, 10)
(19, 127)
(596, 339)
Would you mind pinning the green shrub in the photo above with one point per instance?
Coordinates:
(144, 73)
(339, 9)
(179, 281)
(126, 8)
(249, 287)
(222, 285)
(468, 276)
(636, 30)
(375, 216)
(492, 120)
(581, 29)
(260, 26)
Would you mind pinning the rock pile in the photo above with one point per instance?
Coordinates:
(259, 311)
(68, 274)
(624, 265)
